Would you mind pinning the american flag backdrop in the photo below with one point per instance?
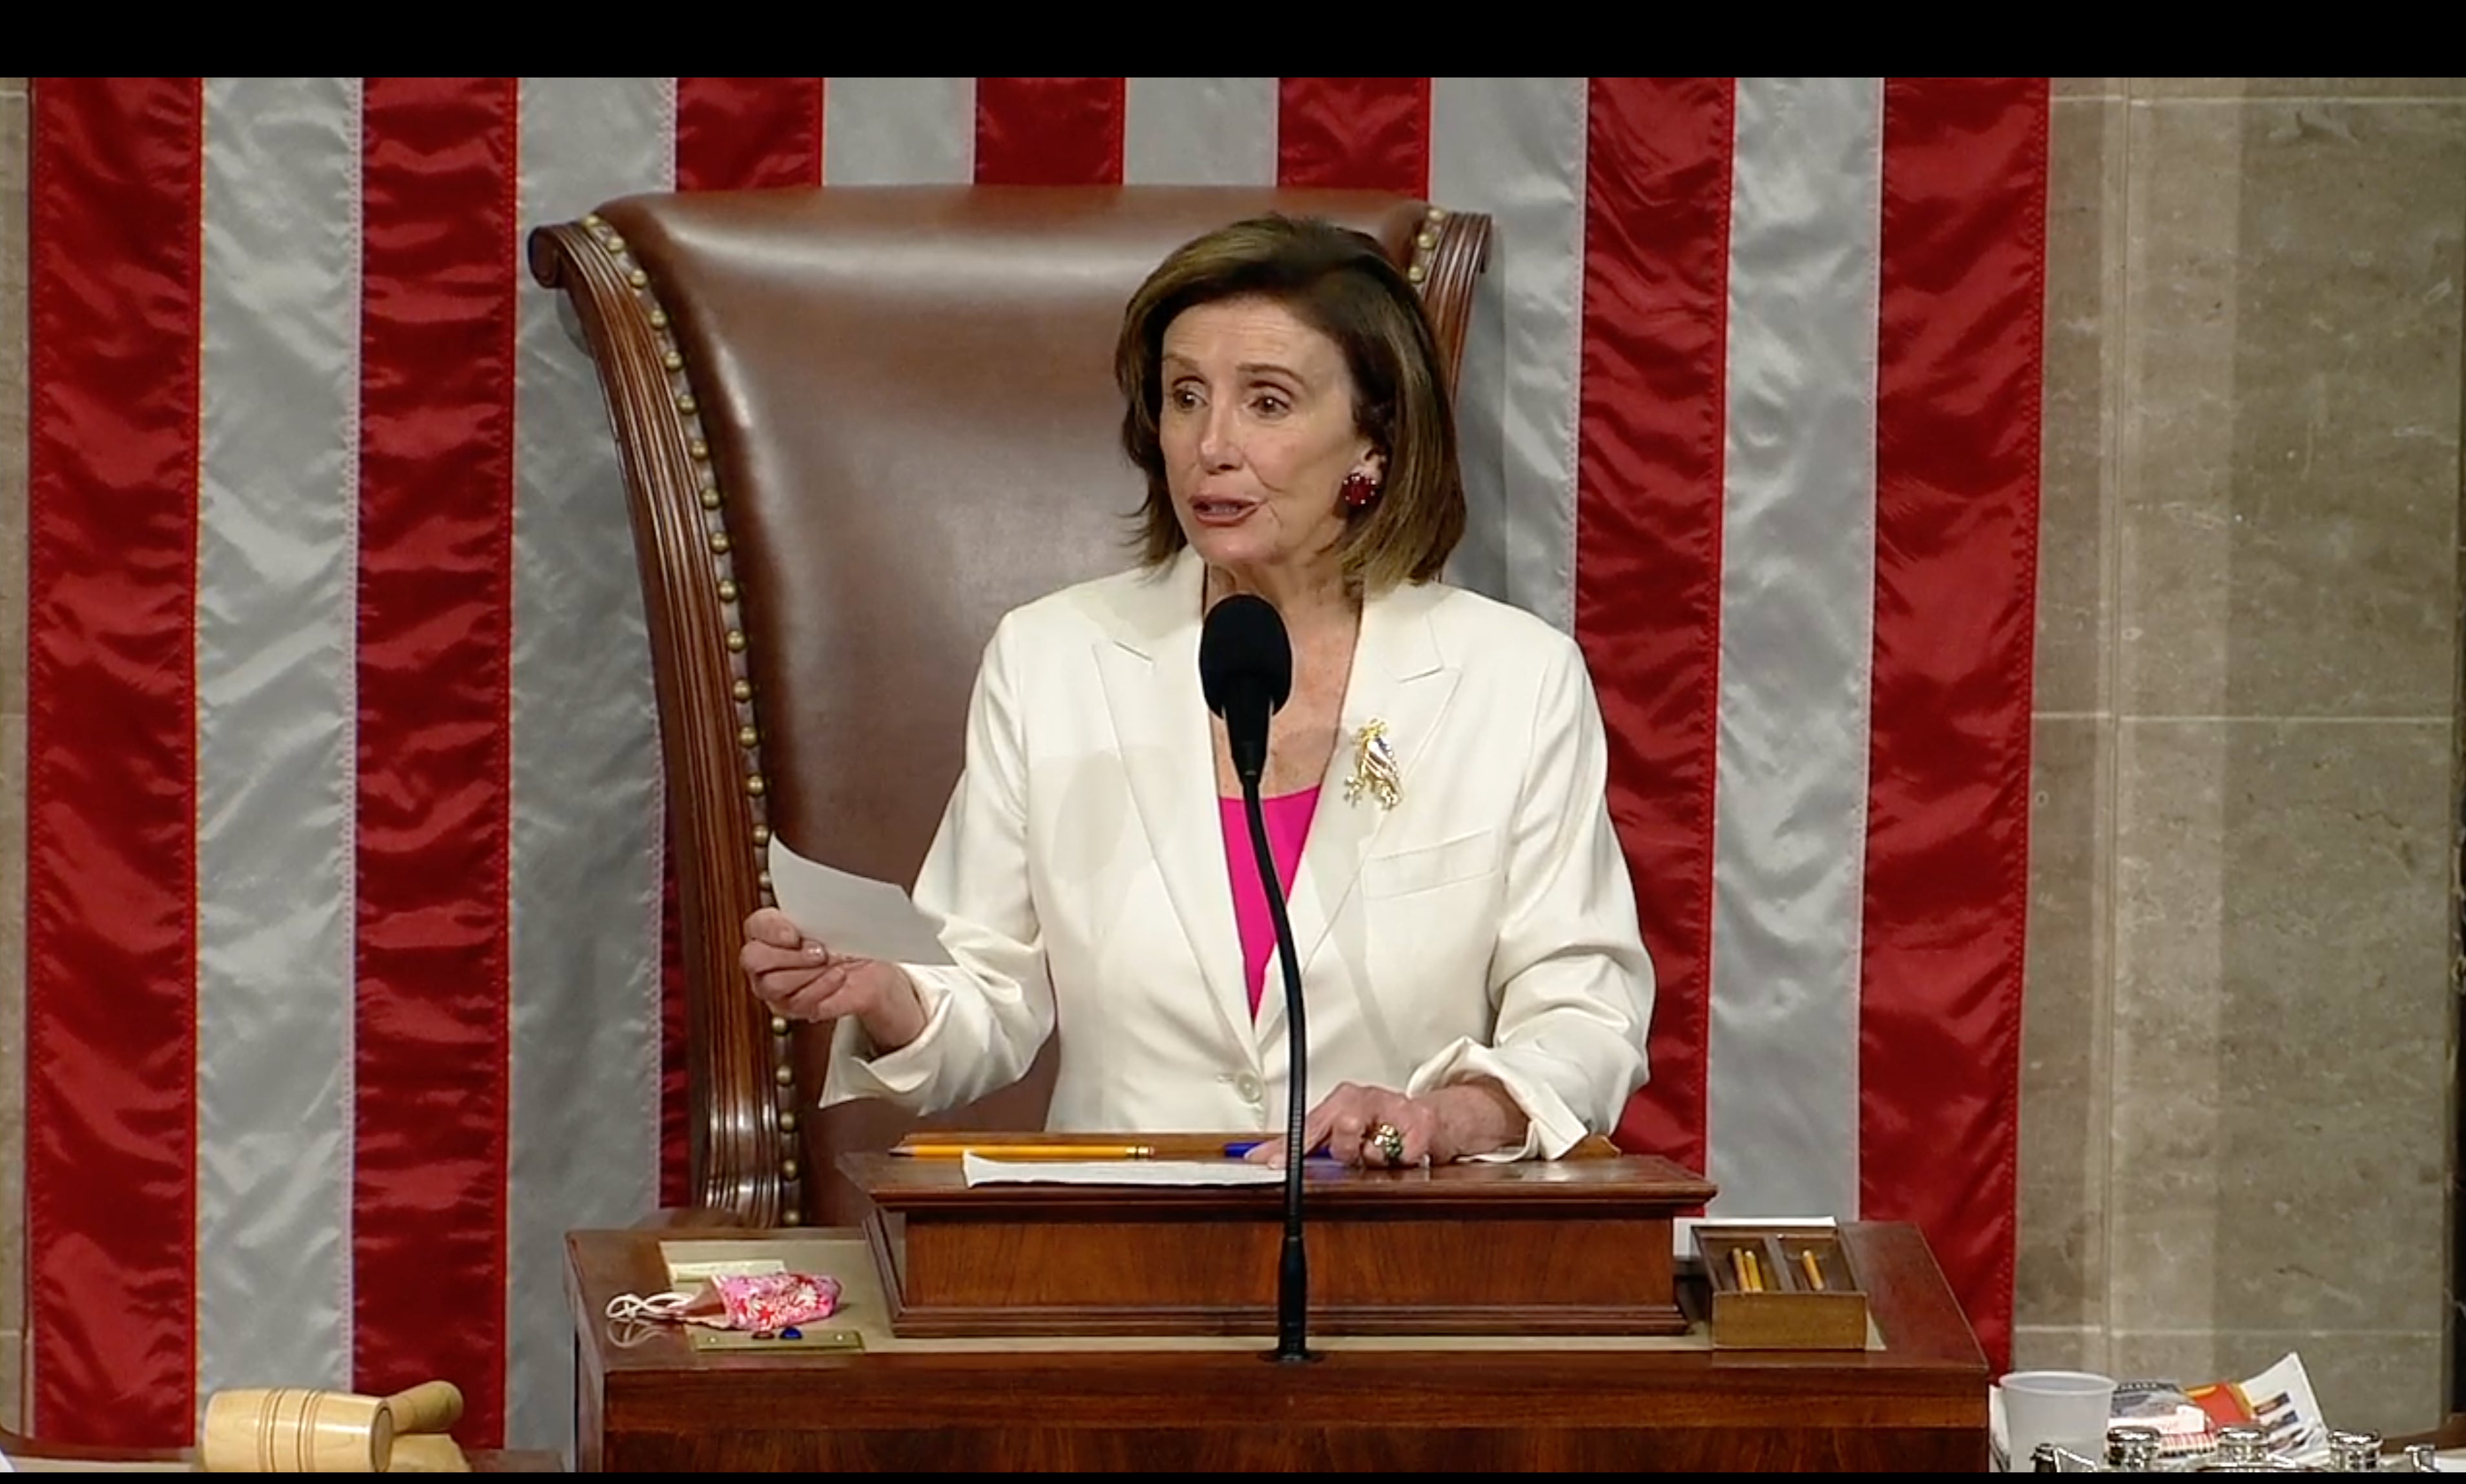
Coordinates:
(344, 911)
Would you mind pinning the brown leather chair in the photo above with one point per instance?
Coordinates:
(856, 425)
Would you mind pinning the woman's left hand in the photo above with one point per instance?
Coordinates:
(1443, 1124)
(1346, 1118)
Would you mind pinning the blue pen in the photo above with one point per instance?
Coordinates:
(1239, 1150)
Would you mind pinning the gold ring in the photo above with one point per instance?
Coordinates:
(1388, 1140)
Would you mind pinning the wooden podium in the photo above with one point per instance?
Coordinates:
(1519, 1318)
(1579, 1247)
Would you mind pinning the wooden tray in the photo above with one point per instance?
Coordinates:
(1791, 1312)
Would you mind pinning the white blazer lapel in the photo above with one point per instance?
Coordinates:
(1160, 720)
(1399, 678)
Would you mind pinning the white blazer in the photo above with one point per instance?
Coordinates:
(1484, 926)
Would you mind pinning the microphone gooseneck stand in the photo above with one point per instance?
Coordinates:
(1292, 1265)
(1245, 670)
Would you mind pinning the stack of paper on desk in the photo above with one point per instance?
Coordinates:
(981, 1171)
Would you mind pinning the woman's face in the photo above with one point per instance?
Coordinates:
(1257, 427)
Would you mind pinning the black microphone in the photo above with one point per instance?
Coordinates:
(1245, 670)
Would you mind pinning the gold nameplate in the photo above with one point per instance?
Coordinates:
(706, 1339)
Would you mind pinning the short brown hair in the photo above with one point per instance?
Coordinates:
(1341, 284)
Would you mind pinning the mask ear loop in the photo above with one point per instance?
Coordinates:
(668, 1306)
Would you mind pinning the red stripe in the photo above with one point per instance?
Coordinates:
(1956, 569)
(749, 133)
(1649, 537)
(111, 1045)
(428, 1229)
(1357, 133)
(1049, 132)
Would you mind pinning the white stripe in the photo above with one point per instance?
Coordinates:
(277, 608)
(584, 1079)
(1798, 586)
(1198, 131)
(1515, 147)
(899, 131)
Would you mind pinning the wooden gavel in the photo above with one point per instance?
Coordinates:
(293, 1429)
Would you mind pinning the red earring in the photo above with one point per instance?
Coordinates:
(1358, 490)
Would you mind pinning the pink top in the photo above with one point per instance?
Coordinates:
(1289, 822)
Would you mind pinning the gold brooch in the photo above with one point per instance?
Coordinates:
(1373, 767)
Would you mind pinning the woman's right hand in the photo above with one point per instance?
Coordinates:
(804, 980)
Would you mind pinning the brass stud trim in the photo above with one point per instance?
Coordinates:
(787, 1120)
(779, 1025)
(787, 1169)
(672, 357)
(615, 243)
(1425, 241)
(784, 1075)
(593, 220)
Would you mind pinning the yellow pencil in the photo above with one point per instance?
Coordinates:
(930, 1151)
(1739, 1269)
(1755, 1271)
(1814, 1270)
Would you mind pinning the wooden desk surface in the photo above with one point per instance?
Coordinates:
(1573, 1186)
(1917, 1401)
(31, 1457)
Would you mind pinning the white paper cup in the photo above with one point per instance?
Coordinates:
(2068, 1408)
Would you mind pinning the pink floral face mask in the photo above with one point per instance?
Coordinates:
(761, 1303)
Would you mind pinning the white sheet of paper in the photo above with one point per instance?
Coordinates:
(981, 1171)
(853, 914)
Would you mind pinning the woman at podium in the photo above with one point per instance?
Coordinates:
(1476, 982)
